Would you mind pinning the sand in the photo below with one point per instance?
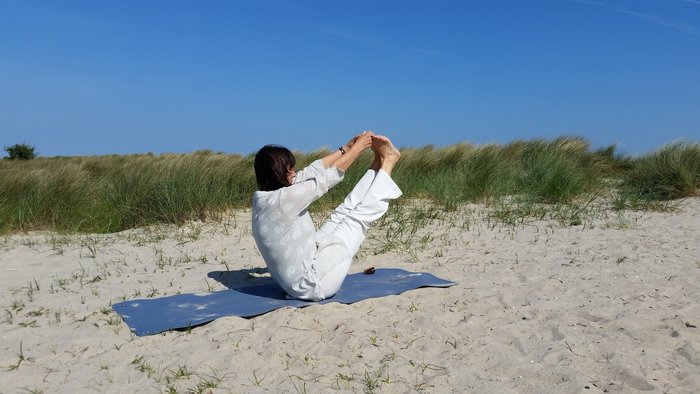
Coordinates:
(610, 304)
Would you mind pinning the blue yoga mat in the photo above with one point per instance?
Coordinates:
(154, 315)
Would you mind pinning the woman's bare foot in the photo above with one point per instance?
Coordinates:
(385, 154)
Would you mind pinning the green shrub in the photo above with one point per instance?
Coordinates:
(20, 152)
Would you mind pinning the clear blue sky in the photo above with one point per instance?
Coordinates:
(101, 77)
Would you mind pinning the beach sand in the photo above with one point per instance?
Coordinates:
(610, 304)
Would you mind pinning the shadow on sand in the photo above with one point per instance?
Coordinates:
(253, 281)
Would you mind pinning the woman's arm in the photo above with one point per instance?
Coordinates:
(330, 159)
(294, 199)
(346, 155)
(361, 142)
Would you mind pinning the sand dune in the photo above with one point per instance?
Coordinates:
(610, 305)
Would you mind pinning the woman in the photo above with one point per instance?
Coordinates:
(309, 264)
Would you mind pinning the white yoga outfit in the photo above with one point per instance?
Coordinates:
(310, 264)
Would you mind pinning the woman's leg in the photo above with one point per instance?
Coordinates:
(337, 248)
(350, 202)
(357, 193)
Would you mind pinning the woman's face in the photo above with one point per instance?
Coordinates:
(290, 175)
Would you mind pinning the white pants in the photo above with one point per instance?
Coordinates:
(340, 237)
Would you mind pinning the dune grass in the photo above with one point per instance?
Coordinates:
(113, 193)
(670, 172)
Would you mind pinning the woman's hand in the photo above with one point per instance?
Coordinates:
(361, 142)
(347, 154)
(354, 139)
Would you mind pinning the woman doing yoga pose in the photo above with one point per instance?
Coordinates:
(310, 264)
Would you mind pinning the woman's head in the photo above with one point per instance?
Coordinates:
(273, 164)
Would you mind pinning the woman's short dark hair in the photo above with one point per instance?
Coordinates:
(272, 163)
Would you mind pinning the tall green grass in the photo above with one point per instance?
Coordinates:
(113, 193)
(545, 171)
(670, 172)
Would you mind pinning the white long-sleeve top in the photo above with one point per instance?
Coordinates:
(284, 231)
